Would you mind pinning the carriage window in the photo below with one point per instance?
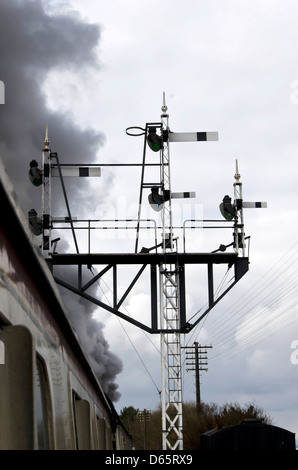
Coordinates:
(109, 438)
(42, 416)
(2, 353)
(101, 432)
(82, 423)
(16, 389)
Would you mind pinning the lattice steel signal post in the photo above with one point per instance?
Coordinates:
(167, 286)
(171, 377)
(170, 321)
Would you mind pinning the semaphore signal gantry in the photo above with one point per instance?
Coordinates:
(166, 264)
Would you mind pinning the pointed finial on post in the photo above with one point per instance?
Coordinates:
(237, 175)
(164, 107)
(46, 140)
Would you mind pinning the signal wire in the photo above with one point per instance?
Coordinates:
(128, 337)
(266, 282)
(285, 292)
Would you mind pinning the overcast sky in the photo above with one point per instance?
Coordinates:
(226, 66)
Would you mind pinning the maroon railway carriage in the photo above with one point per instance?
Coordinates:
(49, 395)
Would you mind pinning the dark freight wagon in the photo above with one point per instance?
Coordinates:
(248, 435)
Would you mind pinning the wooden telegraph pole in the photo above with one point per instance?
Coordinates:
(196, 358)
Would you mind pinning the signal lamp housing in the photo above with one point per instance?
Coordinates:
(35, 223)
(227, 209)
(154, 140)
(35, 174)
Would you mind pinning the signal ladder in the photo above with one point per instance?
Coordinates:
(172, 423)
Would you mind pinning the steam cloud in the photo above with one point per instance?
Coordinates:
(32, 43)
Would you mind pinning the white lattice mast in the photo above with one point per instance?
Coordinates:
(239, 234)
(171, 387)
(239, 205)
(46, 195)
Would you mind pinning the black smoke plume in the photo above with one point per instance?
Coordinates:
(33, 42)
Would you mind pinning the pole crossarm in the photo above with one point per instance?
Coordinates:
(198, 354)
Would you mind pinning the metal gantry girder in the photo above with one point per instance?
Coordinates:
(112, 262)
